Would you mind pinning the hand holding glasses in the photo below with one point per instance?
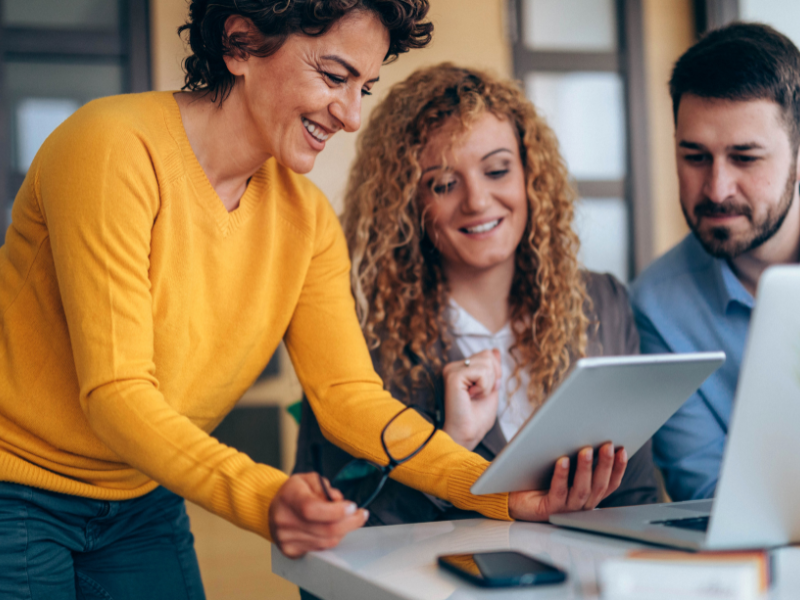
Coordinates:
(305, 515)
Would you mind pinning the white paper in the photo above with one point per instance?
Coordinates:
(653, 580)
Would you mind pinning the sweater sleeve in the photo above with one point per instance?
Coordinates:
(99, 197)
(331, 358)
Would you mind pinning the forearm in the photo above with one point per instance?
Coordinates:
(353, 417)
(135, 422)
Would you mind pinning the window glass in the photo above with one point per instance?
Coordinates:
(570, 25)
(42, 94)
(783, 15)
(63, 14)
(36, 119)
(602, 227)
(586, 111)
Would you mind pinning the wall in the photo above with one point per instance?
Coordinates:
(166, 47)
(668, 33)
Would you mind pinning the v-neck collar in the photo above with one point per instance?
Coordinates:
(228, 222)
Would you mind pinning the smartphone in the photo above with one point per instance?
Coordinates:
(505, 568)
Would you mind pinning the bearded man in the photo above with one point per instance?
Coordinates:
(736, 103)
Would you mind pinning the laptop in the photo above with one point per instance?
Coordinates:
(757, 494)
(622, 399)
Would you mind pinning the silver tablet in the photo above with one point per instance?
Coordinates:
(621, 399)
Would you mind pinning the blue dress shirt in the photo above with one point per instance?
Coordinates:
(689, 301)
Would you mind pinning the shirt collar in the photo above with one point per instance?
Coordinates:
(463, 323)
(731, 289)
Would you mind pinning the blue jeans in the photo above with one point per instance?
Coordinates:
(59, 547)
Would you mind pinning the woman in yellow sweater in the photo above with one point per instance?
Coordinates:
(161, 246)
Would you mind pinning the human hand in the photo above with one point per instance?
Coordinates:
(587, 491)
(302, 519)
(470, 397)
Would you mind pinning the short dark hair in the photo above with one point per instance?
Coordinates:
(742, 61)
(276, 20)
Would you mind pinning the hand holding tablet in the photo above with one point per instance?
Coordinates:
(594, 480)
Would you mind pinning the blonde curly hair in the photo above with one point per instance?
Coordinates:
(400, 288)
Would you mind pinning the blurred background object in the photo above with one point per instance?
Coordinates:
(570, 55)
(56, 56)
(597, 69)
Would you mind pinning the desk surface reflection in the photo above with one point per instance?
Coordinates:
(399, 562)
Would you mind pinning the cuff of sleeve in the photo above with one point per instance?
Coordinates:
(494, 506)
(247, 503)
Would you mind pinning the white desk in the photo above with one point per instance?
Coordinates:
(399, 562)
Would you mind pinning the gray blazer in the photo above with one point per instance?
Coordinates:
(613, 333)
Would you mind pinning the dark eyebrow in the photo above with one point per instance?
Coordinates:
(495, 152)
(434, 167)
(746, 147)
(350, 68)
(736, 147)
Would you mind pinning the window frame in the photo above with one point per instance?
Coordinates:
(628, 62)
(130, 45)
(712, 14)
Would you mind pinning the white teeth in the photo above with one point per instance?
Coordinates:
(315, 132)
(483, 228)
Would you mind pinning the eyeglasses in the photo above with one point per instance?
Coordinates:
(361, 480)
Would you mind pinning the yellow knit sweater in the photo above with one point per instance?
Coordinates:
(136, 311)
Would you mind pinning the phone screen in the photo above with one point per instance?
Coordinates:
(504, 568)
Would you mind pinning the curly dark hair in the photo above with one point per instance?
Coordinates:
(276, 20)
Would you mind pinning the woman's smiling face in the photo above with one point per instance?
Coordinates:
(476, 207)
(311, 87)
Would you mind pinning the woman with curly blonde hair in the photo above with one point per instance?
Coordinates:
(458, 219)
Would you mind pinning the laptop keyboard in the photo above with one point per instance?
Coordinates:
(693, 523)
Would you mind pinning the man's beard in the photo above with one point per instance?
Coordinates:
(717, 241)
